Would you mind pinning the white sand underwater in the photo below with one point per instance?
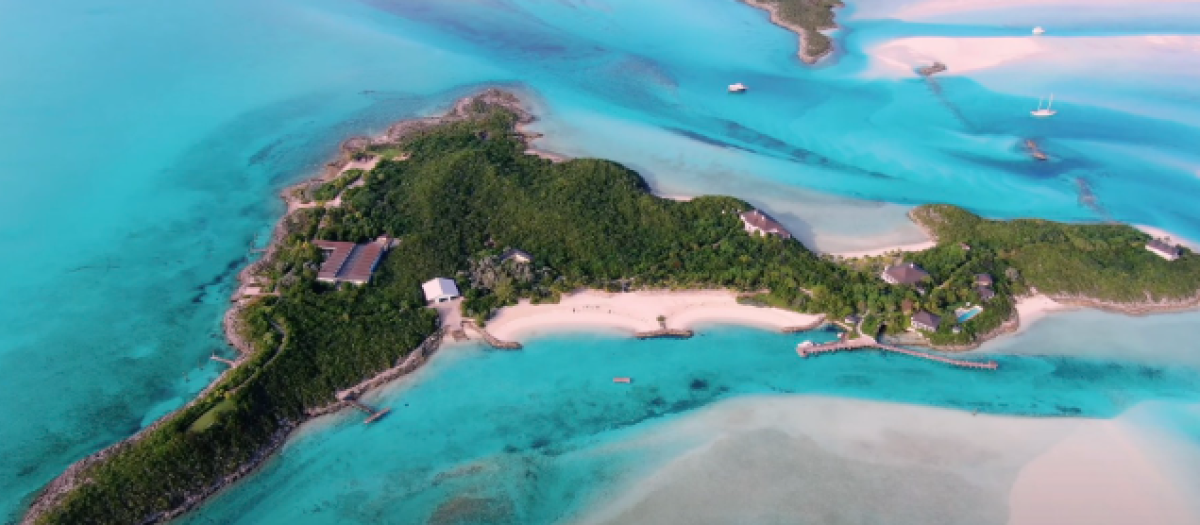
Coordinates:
(823, 460)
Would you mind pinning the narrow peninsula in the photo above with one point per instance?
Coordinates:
(807, 18)
(337, 304)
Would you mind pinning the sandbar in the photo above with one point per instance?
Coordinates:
(767, 459)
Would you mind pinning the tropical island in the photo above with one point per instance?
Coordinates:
(807, 18)
(459, 198)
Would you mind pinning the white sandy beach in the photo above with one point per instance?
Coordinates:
(1159, 233)
(637, 311)
(963, 55)
(924, 9)
(768, 459)
(912, 247)
(1031, 309)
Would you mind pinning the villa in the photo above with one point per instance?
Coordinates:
(756, 221)
(1160, 248)
(926, 321)
(346, 262)
(520, 256)
(984, 279)
(907, 273)
(440, 290)
(985, 293)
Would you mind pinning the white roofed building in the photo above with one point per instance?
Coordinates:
(755, 221)
(440, 290)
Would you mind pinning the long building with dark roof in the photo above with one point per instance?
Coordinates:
(346, 262)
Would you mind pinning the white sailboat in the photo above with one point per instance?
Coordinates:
(1038, 30)
(1044, 112)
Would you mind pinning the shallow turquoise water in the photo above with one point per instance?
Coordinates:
(538, 431)
(142, 143)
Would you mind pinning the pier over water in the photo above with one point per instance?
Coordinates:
(866, 342)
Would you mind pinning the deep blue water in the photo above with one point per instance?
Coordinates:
(142, 144)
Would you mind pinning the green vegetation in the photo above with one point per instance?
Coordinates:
(466, 194)
(331, 189)
(210, 418)
(1101, 262)
(808, 16)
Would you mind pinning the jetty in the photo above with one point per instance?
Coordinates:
(490, 339)
(220, 359)
(867, 342)
(665, 333)
(373, 414)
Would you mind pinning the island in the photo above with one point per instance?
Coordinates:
(807, 18)
(455, 210)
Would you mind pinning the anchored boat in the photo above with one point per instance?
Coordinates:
(737, 88)
(1041, 112)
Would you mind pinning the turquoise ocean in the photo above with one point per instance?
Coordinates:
(142, 145)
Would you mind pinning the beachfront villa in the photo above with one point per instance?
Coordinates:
(907, 273)
(519, 256)
(755, 221)
(346, 262)
(1161, 248)
(985, 293)
(440, 290)
(926, 321)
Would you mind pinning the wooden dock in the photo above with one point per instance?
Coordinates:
(867, 342)
(220, 359)
(491, 340)
(375, 415)
(665, 333)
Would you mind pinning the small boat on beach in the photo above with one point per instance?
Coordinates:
(1038, 30)
(1041, 112)
(625, 380)
(737, 88)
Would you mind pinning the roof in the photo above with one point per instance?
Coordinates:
(439, 287)
(515, 253)
(984, 292)
(907, 273)
(1159, 246)
(348, 261)
(764, 222)
(984, 279)
(927, 319)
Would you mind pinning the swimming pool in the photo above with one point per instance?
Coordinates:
(965, 314)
